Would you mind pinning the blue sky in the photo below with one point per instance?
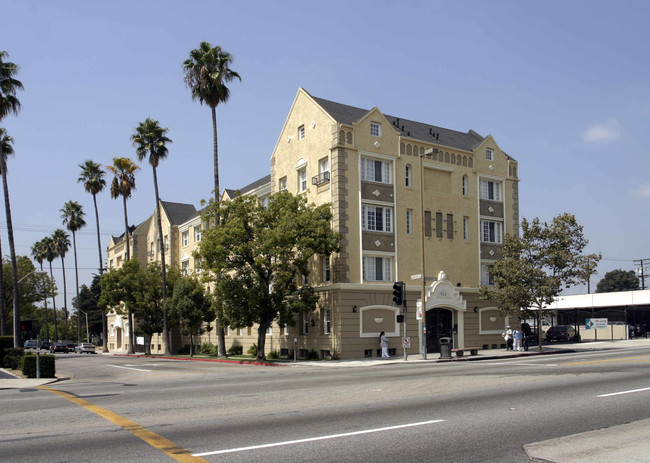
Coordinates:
(561, 85)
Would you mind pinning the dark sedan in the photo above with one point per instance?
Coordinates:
(59, 347)
(560, 333)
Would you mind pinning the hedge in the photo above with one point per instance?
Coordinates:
(48, 367)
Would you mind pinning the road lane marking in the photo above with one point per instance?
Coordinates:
(313, 439)
(625, 392)
(128, 368)
(643, 358)
(158, 442)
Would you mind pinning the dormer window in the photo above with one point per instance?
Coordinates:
(375, 129)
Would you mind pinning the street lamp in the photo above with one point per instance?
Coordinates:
(17, 339)
(87, 332)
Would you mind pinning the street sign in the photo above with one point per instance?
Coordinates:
(406, 342)
(596, 323)
(417, 276)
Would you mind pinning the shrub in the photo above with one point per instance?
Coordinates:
(252, 350)
(312, 355)
(273, 355)
(6, 342)
(12, 357)
(208, 349)
(47, 367)
(236, 350)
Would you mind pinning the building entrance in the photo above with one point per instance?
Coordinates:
(439, 323)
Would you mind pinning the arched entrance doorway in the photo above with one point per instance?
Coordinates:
(439, 324)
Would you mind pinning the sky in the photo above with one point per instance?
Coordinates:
(562, 86)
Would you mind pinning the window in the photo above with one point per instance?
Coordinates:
(465, 185)
(408, 173)
(376, 218)
(489, 155)
(466, 228)
(269, 331)
(409, 221)
(186, 238)
(327, 321)
(491, 231)
(185, 268)
(283, 184)
(491, 190)
(323, 165)
(301, 132)
(486, 275)
(302, 179)
(377, 268)
(427, 224)
(166, 241)
(197, 234)
(450, 226)
(264, 201)
(375, 129)
(304, 325)
(284, 331)
(438, 224)
(375, 171)
(327, 271)
(197, 265)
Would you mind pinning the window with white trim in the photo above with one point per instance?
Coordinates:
(301, 132)
(486, 275)
(302, 179)
(186, 238)
(327, 321)
(377, 268)
(489, 155)
(197, 265)
(197, 234)
(376, 218)
(283, 184)
(491, 231)
(491, 190)
(185, 267)
(375, 129)
(408, 175)
(269, 331)
(409, 221)
(373, 170)
(285, 330)
(323, 165)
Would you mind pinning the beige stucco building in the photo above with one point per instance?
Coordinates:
(398, 189)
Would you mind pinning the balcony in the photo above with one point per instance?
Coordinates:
(321, 178)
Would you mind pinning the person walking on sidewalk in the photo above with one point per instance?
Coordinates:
(517, 336)
(507, 336)
(383, 342)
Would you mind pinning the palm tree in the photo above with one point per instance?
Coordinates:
(50, 254)
(207, 70)
(73, 217)
(39, 254)
(62, 243)
(149, 140)
(122, 185)
(92, 177)
(9, 104)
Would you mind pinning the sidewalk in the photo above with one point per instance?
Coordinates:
(17, 382)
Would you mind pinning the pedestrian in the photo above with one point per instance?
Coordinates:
(383, 342)
(507, 335)
(517, 336)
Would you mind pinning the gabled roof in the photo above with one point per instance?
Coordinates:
(250, 187)
(428, 133)
(178, 212)
(119, 238)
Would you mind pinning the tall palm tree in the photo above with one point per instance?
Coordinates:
(150, 140)
(122, 185)
(92, 177)
(207, 71)
(9, 104)
(50, 254)
(39, 254)
(73, 218)
(62, 243)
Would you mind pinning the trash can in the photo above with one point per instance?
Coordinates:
(445, 348)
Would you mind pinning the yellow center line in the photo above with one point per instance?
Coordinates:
(644, 358)
(158, 442)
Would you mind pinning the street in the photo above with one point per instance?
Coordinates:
(136, 409)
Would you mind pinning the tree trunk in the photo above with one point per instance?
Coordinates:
(65, 291)
(166, 346)
(261, 341)
(76, 277)
(101, 272)
(3, 305)
(56, 329)
(147, 344)
(14, 265)
(191, 345)
(126, 230)
(131, 349)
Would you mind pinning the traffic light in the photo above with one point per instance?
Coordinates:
(398, 293)
(26, 325)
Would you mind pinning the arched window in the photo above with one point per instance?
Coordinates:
(408, 150)
(402, 148)
(349, 138)
(341, 137)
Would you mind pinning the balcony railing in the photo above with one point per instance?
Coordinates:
(321, 178)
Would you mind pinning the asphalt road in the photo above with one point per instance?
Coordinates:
(132, 409)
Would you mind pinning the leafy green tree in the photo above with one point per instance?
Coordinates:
(536, 267)
(191, 307)
(73, 217)
(31, 286)
(92, 177)
(87, 302)
(150, 141)
(618, 280)
(39, 254)
(123, 185)
(259, 254)
(8, 87)
(62, 243)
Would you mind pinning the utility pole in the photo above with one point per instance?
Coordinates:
(641, 270)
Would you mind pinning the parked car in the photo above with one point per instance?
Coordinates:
(59, 347)
(31, 344)
(45, 345)
(71, 345)
(85, 347)
(560, 333)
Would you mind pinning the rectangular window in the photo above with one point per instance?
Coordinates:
(408, 173)
(264, 201)
(375, 129)
(375, 171)
(427, 224)
(377, 268)
(283, 184)
(269, 331)
(488, 154)
(450, 226)
(324, 165)
(327, 321)
(301, 132)
(185, 267)
(186, 238)
(327, 271)
(486, 276)
(285, 330)
(376, 218)
(197, 265)
(302, 180)
(409, 221)
(491, 190)
(438, 224)
(197, 234)
(166, 241)
(491, 232)
(304, 323)
(466, 228)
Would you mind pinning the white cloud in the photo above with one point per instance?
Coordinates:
(602, 132)
(643, 191)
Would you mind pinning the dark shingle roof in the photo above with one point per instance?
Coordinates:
(345, 114)
(250, 187)
(178, 212)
